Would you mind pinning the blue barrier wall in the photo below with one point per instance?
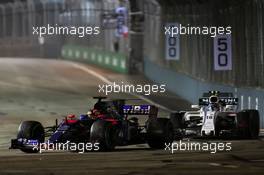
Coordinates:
(191, 89)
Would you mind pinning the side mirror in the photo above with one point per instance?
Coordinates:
(195, 107)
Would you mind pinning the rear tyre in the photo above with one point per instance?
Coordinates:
(31, 130)
(104, 134)
(159, 132)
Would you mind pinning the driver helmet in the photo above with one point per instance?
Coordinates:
(95, 112)
(214, 102)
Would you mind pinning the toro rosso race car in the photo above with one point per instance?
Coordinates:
(217, 115)
(110, 123)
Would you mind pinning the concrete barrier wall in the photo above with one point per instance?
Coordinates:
(191, 89)
(114, 61)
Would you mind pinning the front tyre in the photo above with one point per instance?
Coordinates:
(31, 130)
(248, 124)
(159, 132)
(177, 122)
(253, 124)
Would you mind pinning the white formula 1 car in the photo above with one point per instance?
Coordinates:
(216, 115)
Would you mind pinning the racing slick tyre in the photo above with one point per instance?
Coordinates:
(31, 130)
(253, 124)
(176, 120)
(248, 124)
(159, 132)
(104, 134)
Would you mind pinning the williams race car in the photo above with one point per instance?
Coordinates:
(216, 115)
(110, 123)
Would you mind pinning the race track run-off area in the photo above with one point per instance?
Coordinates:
(45, 89)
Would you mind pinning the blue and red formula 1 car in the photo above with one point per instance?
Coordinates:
(110, 123)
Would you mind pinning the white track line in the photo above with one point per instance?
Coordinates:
(107, 81)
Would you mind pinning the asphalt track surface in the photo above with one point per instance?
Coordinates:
(43, 90)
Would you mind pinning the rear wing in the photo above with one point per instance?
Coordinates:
(140, 110)
(224, 100)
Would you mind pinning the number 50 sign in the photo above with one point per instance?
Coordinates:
(222, 52)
